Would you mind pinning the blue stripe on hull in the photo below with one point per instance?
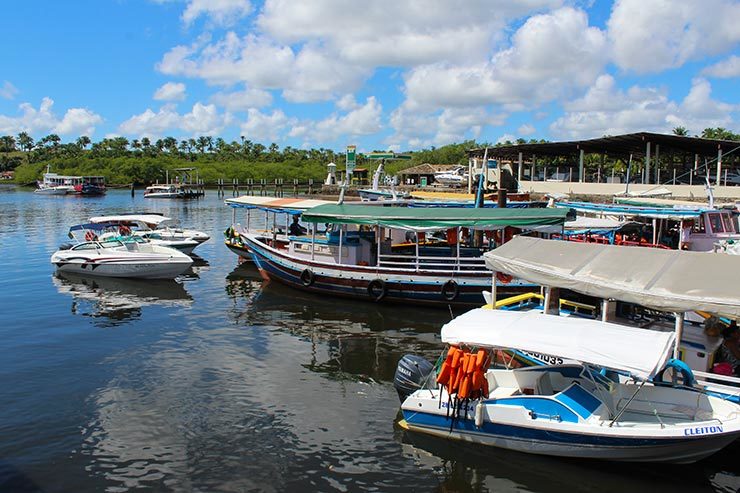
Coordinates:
(462, 425)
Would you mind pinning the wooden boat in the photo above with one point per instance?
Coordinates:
(396, 254)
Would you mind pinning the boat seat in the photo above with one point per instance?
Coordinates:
(499, 392)
(544, 385)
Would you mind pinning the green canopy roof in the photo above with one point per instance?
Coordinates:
(413, 218)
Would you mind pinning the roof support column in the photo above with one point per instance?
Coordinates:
(646, 174)
(581, 174)
(520, 170)
(657, 164)
(719, 163)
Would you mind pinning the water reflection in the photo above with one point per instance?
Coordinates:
(114, 301)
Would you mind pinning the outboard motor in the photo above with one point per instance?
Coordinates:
(413, 373)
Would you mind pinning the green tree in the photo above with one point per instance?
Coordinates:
(25, 141)
(681, 131)
(7, 143)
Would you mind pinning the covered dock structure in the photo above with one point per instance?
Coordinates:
(655, 159)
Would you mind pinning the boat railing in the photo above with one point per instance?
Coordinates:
(527, 299)
(475, 264)
(726, 383)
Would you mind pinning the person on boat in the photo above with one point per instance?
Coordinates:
(729, 351)
(296, 229)
(685, 240)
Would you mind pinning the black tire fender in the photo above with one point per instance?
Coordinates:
(307, 277)
(450, 290)
(377, 289)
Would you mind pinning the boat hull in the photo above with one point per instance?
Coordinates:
(547, 442)
(377, 284)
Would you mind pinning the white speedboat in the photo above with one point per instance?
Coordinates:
(130, 257)
(163, 192)
(562, 410)
(145, 225)
(456, 177)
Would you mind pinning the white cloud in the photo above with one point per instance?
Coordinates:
(170, 91)
(550, 54)
(660, 34)
(201, 120)
(76, 121)
(393, 33)
(242, 100)
(422, 129)
(724, 69)
(265, 127)
(361, 120)
(221, 12)
(321, 50)
(526, 129)
(8, 90)
(311, 74)
(505, 138)
(607, 110)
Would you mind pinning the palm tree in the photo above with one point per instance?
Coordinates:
(681, 131)
(136, 144)
(25, 141)
(7, 143)
(83, 141)
(201, 144)
(146, 143)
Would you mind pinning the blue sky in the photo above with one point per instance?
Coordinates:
(381, 75)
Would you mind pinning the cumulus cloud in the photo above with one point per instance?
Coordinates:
(550, 54)
(360, 120)
(201, 120)
(526, 129)
(396, 33)
(76, 121)
(265, 127)
(607, 110)
(724, 69)
(8, 90)
(242, 100)
(661, 34)
(170, 91)
(309, 74)
(321, 50)
(423, 129)
(221, 12)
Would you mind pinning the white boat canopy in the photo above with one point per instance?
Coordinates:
(142, 218)
(640, 352)
(665, 280)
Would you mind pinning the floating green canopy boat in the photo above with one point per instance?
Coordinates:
(435, 218)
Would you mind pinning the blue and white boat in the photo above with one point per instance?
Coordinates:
(661, 290)
(568, 410)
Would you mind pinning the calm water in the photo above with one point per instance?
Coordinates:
(221, 382)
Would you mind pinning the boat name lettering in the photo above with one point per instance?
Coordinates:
(471, 408)
(702, 430)
(551, 360)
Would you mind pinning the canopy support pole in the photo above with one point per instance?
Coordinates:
(655, 231)
(457, 247)
(233, 215)
(249, 219)
(719, 165)
(416, 240)
(581, 173)
(679, 334)
(313, 239)
(341, 238)
(624, 408)
(378, 239)
(493, 290)
(552, 301)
